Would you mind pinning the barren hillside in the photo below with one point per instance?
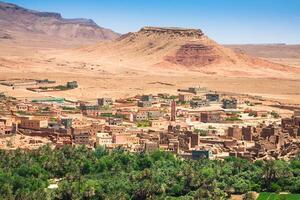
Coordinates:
(154, 48)
(41, 29)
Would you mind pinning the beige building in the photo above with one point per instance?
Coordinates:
(33, 124)
(103, 139)
(83, 139)
(185, 97)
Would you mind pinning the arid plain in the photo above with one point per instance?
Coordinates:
(111, 77)
(152, 60)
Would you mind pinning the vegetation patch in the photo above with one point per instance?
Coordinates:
(274, 196)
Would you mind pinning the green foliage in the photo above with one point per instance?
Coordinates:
(61, 87)
(143, 123)
(99, 174)
(68, 108)
(274, 196)
(111, 115)
(201, 132)
(275, 114)
(233, 119)
(211, 127)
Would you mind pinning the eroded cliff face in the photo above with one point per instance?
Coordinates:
(193, 54)
(172, 32)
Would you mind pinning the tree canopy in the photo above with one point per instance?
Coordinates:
(98, 174)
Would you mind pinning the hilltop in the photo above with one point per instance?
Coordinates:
(33, 28)
(166, 48)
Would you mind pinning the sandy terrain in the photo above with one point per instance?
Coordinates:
(95, 81)
(122, 70)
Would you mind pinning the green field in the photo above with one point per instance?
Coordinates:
(274, 196)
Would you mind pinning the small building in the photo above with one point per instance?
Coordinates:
(103, 139)
(140, 116)
(269, 131)
(197, 90)
(198, 103)
(90, 110)
(22, 107)
(247, 133)
(147, 97)
(210, 117)
(154, 114)
(115, 121)
(123, 139)
(185, 97)
(83, 138)
(151, 146)
(5, 130)
(72, 84)
(114, 129)
(229, 104)
(105, 101)
(33, 124)
(213, 97)
(144, 103)
(235, 132)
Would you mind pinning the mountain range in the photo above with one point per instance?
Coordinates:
(27, 26)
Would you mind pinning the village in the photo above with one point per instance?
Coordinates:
(195, 123)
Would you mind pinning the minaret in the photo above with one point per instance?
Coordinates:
(173, 110)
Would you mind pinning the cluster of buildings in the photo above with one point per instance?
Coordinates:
(195, 123)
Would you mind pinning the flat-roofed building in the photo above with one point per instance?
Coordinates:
(211, 117)
(83, 138)
(185, 97)
(198, 103)
(33, 124)
(235, 132)
(148, 97)
(213, 97)
(114, 129)
(125, 138)
(151, 146)
(103, 139)
(144, 103)
(140, 116)
(105, 101)
(229, 103)
(22, 107)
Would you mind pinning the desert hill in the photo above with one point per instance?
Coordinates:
(160, 48)
(32, 28)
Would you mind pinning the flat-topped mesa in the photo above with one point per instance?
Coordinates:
(173, 31)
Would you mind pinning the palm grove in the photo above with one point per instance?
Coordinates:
(87, 174)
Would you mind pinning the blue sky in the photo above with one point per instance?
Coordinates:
(226, 21)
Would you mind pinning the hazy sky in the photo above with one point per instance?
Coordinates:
(226, 21)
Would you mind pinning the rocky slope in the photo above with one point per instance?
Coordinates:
(22, 24)
(179, 48)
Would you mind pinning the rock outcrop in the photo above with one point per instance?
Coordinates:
(194, 55)
(172, 31)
